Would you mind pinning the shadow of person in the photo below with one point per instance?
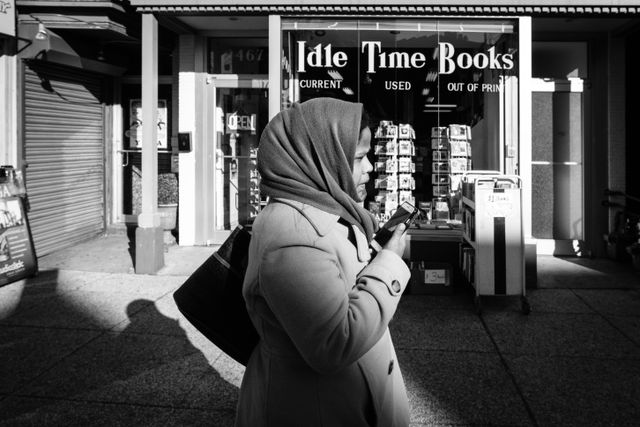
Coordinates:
(148, 360)
(185, 366)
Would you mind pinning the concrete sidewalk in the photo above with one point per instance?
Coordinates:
(87, 342)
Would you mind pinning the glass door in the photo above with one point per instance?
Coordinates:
(557, 166)
(240, 115)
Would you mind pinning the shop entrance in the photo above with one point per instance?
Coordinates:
(557, 166)
(240, 115)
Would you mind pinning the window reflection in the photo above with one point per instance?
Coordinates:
(452, 82)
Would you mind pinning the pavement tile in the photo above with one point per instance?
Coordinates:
(78, 309)
(26, 353)
(147, 286)
(11, 299)
(230, 370)
(218, 388)
(627, 325)
(25, 295)
(126, 368)
(541, 301)
(557, 334)
(460, 388)
(151, 318)
(23, 411)
(43, 277)
(107, 253)
(579, 391)
(435, 329)
(585, 273)
(199, 341)
(458, 301)
(224, 418)
(52, 292)
(161, 317)
(621, 302)
(161, 384)
(184, 260)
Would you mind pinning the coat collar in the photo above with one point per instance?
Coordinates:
(323, 222)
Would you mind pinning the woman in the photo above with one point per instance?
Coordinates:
(320, 304)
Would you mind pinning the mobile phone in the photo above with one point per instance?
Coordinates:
(405, 214)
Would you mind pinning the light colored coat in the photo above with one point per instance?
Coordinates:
(322, 310)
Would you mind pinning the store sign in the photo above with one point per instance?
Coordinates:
(449, 60)
(8, 17)
(17, 256)
(134, 133)
(241, 122)
(241, 60)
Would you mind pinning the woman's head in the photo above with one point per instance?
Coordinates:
(315, 152)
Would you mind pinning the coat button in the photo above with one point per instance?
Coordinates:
(390, 367)
(395, 285)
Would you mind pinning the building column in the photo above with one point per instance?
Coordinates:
(10, 151)
(149, 234)
(275, 65)
(526, 151)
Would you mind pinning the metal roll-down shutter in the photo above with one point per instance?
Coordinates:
(64, 151)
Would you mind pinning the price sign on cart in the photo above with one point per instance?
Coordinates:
(435, 277)
(500, 204)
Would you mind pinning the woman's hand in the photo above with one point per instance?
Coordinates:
(398, 240)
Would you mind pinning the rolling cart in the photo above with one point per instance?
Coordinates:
(492, 255)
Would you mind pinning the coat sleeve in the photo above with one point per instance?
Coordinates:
(332, 323)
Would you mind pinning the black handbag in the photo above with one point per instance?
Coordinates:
(211, 298)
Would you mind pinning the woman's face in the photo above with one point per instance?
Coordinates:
(361, 165)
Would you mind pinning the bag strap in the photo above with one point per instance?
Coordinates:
(227, 265)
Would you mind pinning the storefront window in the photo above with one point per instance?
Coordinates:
(442, 95)
(238, 56)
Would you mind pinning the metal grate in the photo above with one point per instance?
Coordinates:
(64, 151)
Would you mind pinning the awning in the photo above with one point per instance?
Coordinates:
(401, 7)
(69, 21)
(37, 42)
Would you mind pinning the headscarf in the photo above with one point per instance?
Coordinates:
(306, 153)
